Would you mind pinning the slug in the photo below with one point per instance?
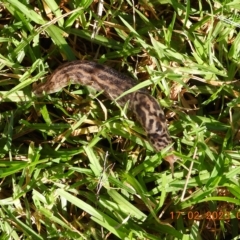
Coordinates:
(113, 83)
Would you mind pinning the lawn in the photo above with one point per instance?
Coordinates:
(75, 165)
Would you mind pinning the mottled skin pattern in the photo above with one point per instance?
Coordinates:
(113, 84)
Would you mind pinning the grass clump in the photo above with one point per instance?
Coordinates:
(75, 166)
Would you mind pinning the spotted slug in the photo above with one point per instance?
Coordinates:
(113, 83)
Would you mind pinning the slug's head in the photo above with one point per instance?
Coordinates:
(171, 159)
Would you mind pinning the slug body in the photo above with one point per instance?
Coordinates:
(113, 84)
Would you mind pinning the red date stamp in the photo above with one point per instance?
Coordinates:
(209, 215)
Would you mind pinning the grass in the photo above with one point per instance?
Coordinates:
(75, 166)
